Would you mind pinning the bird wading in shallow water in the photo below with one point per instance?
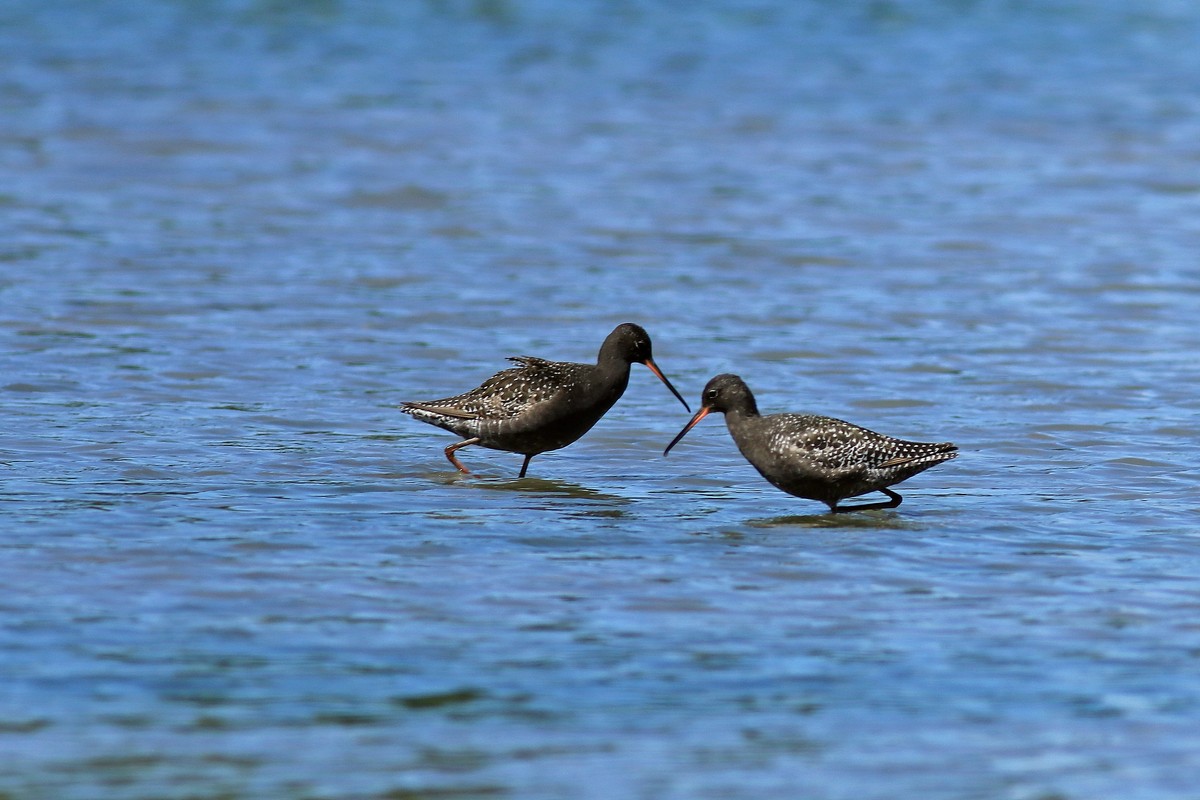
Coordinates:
(817, 458)
(541, 405)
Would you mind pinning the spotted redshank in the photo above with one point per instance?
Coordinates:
(541, 405)
(817, 458)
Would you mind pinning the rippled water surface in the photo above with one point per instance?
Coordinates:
(236, 234)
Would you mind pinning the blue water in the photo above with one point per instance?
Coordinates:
(235, 235)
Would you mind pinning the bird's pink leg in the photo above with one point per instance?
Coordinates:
(450, 454)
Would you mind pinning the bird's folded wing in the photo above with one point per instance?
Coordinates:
(447, 411)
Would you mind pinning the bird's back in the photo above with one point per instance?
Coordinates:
(504, 396)
(537, 406)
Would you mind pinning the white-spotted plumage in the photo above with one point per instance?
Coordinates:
(541, 405)
(814, 457)
(507, 394)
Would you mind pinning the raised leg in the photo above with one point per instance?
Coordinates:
(525, 466)
(450, 454)
(894, 500)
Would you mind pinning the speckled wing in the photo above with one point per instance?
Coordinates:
(505, 395)
(821, 444)
(845, 448)
(919, 455)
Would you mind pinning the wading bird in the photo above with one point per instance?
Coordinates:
(541, 405)
(817, 458)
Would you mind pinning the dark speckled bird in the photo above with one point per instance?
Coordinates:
(817, 458)
(541, 405)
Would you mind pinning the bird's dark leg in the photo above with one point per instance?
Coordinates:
(525, 466)
(450, 454)
(895, 500)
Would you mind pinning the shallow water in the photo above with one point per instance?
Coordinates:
(236, 235)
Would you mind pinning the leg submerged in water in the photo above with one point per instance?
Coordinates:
(895, 500)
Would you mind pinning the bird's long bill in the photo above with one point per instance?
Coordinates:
(654, 368)
(699, 415)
